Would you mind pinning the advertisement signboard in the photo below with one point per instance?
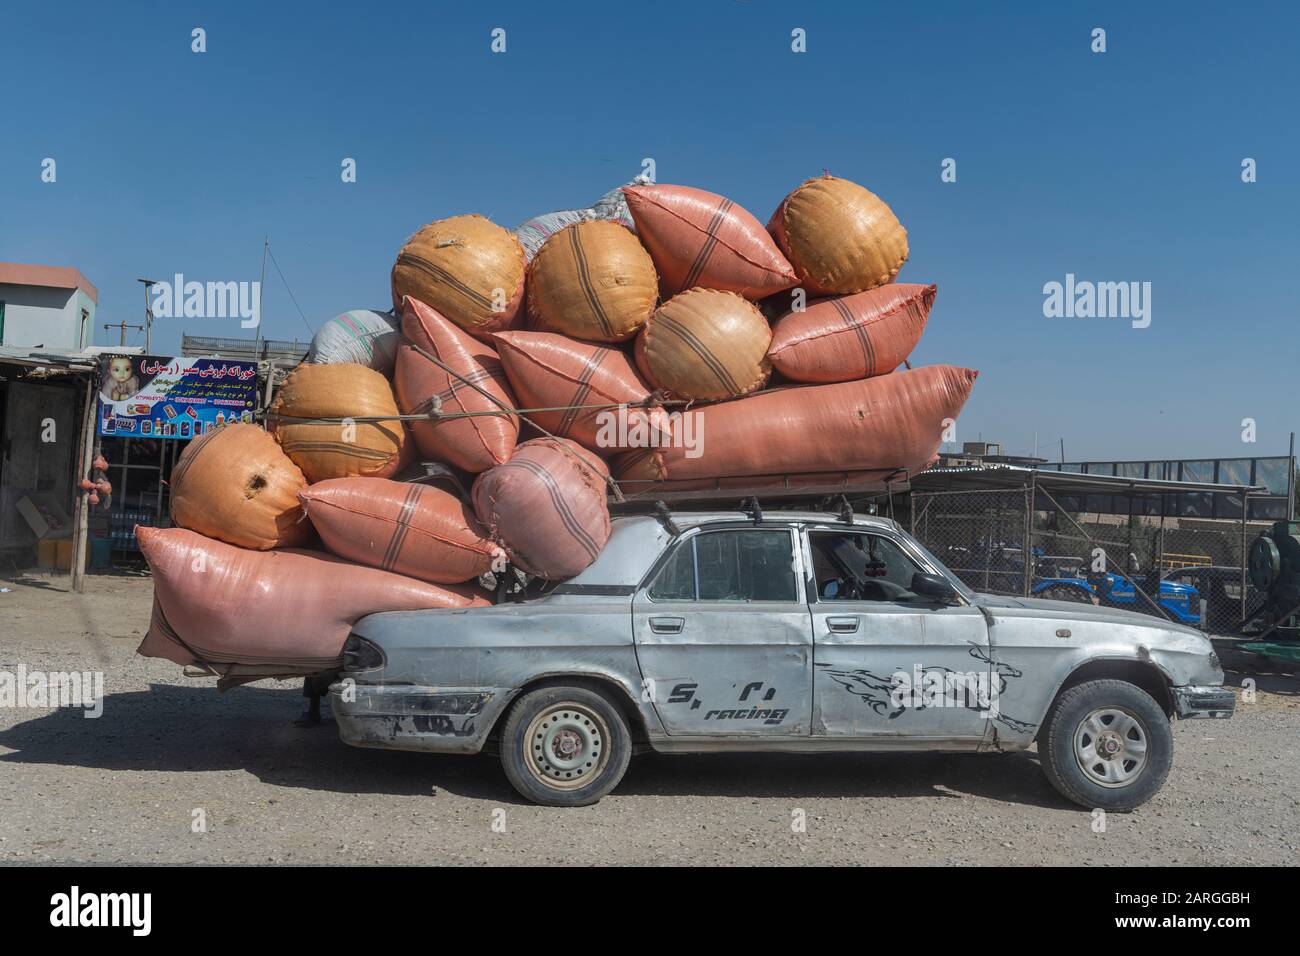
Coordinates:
(151, 396)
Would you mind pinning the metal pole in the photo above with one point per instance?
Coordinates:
(1029, 533)
(257, 336)
(1290, 481)
(1245, 509)
(148, 314)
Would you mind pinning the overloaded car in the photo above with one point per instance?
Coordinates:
(776, 631)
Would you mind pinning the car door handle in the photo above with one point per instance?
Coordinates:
(667, 625)
(842, 625)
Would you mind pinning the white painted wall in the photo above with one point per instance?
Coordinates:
(36, 315)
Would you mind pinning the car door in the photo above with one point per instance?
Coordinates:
(888, 662)
(724, 635)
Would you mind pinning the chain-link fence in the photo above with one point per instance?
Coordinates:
(979, 535)
(1024, 542)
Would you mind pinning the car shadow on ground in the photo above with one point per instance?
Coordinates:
(250, 729)
(1006, 778)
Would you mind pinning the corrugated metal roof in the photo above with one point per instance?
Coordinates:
(21, 355)
(1014, 477)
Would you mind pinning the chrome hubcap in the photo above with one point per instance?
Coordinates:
(566, 746)
(1110, 745)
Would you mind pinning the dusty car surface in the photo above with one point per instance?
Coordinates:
(784, 631)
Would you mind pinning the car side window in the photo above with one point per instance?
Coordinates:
(733, 565)
(676, 580)
(854, 566)
(745, 566)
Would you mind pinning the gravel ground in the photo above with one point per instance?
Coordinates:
(127, 787)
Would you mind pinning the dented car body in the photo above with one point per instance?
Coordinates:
(789, 631)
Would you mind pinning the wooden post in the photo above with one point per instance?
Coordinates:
(81, 509)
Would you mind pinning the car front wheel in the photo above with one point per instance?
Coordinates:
(565, 746)
(1107, 744)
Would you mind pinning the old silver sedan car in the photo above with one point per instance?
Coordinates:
(784, 631)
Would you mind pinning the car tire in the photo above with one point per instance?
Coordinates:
(1089, 745)
(565, 746)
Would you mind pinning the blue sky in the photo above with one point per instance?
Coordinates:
(1122, 166)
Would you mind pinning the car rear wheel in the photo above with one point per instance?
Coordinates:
(1107, 744)
(565, 746)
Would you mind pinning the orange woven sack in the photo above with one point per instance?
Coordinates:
(698, 238)
(237, 485)
(840, 237)
(705, 344)
(474, 443)
(338, 449)
(553, 371)
(412, 529)
(468, 268)
(889, 422)
(546, 506)
(592, 280)
(853, 336)
(225, 605)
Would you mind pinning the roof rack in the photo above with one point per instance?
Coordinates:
(775, 490)
(666, 519)
(846, 509)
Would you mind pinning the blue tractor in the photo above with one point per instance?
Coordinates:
(1070, 579)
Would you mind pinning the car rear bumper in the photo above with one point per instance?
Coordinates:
(406, 717)
(1204, 702)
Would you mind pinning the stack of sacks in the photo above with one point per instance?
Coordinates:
(651, 305)
(235, 586)
(831, 240)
